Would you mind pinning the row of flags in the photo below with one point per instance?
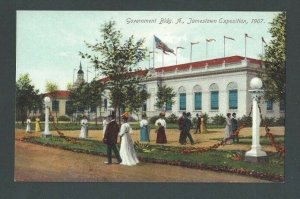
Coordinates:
(161, 45)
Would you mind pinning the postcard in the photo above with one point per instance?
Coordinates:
(150, 96)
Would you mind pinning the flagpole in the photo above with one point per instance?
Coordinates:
(224, 46)
(206, 49)
(162, 58)
(191, 52)
(176, 55)
(153, 51)
(245, 47)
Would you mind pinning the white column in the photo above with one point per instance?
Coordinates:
(255, 154)
(47, 102)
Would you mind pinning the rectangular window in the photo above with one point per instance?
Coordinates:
(182, 101)
(55, 105)
(269, 105)
(233, 99)
(144, 107)
(168, 106)
(214, 100)
(93, 108)
(281, 106)
(198, 101)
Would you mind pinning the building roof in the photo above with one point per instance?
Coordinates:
(198, 64)
(58, 93)
(211, 62)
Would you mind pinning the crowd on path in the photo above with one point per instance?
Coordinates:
(127, 154)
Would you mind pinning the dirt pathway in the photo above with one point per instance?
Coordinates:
(39, 163)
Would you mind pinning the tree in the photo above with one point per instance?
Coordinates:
(117, 61)
(96, 93)
(273, 75)
(52, 89)
(27, 97)
(164, 97)
(140, 95)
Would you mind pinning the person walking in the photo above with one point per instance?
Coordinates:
(84, 128)
(104, 125)
(37, 124)
(111, 138)
(180, 127)
(203, 124)
(28, 129)
(187, 125)
(198, 124)
(161, 133)
(127, 152)
(227, 130)
(234, 127)
(145, 129)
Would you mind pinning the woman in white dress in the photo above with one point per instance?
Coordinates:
(28, 121)
(127, 151)
(227, 129)
(84, 128)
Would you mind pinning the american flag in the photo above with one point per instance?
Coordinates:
(161, 45)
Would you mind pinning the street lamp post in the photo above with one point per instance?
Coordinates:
(255, 154)
(46, 132)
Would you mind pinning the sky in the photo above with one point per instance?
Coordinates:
(49, 42)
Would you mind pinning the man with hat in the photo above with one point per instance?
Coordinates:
(110, 139)
(187, 125)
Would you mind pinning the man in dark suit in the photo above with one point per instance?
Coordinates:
(180, 127)
(187, 125)
(110, 139)
(234, 127)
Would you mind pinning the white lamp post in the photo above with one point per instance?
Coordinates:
(255, 154)
(46, 132)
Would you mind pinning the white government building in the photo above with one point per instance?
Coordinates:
(215, 86)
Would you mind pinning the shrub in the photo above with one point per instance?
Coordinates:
(245, 120)
(64, 118)
(153, 119)
(280, 121)
(219, 119)
(269, 121)
(172, 119)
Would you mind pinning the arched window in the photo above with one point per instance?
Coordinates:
(197, 97)
(214, 97)
(182, 98)
(269, 105)
(232, 95)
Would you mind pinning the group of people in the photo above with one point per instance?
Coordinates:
(37, 125)
(230, 134)
(127, 155)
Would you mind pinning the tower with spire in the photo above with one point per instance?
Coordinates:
(80, 76)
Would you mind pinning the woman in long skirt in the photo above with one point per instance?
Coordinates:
(203, 125)
(127, 152)
(227, 129)
(28, 121)
(161, 134)
(84, 128)
(144, 132)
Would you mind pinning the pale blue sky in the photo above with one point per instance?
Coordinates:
(48, 42)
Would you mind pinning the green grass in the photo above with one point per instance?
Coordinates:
(263, 140)
(212, 158)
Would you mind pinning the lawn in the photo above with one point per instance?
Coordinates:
(219, 160)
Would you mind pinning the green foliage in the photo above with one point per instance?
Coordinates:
(135, 97)
(273, 75)
(218, 119)
(64, 118)
(165, 95)
(153, 119)
(27, 97)
(172, 119)
(118, 61)
(272, 121)
(213, 157)
(247, 120)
